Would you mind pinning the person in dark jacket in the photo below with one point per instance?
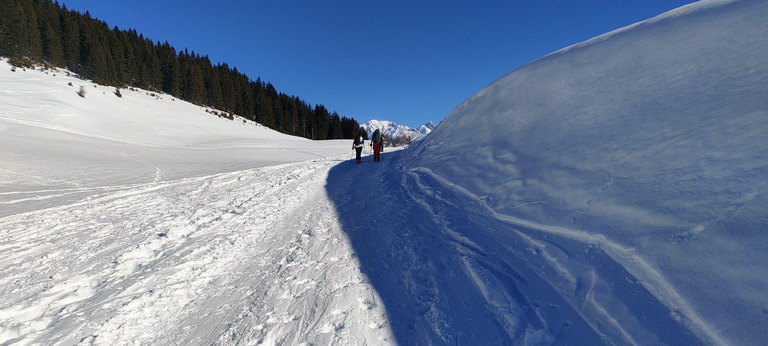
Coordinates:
(358, 146)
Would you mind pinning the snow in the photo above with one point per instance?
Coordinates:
(392, 131)
(646, 145)
(119, 141)
(148, 220)
(612, 192)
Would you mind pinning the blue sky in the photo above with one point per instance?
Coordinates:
(405, 61)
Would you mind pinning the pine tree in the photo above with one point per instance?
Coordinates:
(92, 55)
(32, 38)
(213, 84)
(70, 31)
(246, 107)
(334, 127)
(290, 119)
(50, 28)
(170, 69)
(10, 27)
(19, 30)
(194, 80)
(265, 113)
(133, 61)
(227, 87)
(322, 120)
(349, 127)
(118, 62)
(305, 118)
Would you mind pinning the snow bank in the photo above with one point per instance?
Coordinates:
(647, 143)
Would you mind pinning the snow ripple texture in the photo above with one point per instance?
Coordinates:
(245, 257)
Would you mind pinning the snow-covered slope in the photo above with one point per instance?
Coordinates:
(146, 220)
(629, 172)
(56, 146)
(391, 130)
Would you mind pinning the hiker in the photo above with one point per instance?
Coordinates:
(377, 143)
(358, 146)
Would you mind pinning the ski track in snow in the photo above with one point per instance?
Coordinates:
(253, 256)
(645, 274)
(439, 287)
(451, 270)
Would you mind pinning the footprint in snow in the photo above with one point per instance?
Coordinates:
(366, 304)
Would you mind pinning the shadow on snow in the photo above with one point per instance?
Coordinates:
(437, 287)
(450, 274)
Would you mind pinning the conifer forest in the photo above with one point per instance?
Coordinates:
(44, 33)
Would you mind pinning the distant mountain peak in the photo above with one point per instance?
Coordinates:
(397, 134)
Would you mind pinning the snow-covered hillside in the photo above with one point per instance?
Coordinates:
(147, 220)
(628, 173)
(393, 131)
(57, 146)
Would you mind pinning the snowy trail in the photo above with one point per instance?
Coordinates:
(253, 256)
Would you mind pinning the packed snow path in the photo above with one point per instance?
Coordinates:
(253, 256)
(325, 252)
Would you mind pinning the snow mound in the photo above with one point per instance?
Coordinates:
(647, 145)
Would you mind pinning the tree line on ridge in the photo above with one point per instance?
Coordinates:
(42, 31)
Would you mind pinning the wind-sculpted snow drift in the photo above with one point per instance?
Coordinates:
(626, 173)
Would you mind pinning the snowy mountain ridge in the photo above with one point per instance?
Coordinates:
(393, 131)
